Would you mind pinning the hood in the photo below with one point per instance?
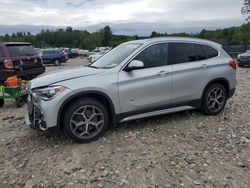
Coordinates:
(59, 76)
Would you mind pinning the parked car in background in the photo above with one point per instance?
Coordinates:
(84, 53)
(137, 79)
(96, 56)
(65, 55)
(244, 59)
(72, 53)
(51, 56)
(19, 58)
(102, 49)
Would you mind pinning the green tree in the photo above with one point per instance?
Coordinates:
(107, 36)
(154, 34)
(69, 29)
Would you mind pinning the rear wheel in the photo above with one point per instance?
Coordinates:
(214, 100)
(85, 120)
(57, 62)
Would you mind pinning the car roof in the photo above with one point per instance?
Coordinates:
(16, 43)
(174, 39)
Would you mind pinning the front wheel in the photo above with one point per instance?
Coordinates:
(214, 100)
(85, 120)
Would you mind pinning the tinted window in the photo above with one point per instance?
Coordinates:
(21, 50)
(184, 52)
(57, 52)
(200, 53)
(46, 52)
(209, 51)
(154, 56)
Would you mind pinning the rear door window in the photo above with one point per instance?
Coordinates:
(183, 53)
(20, 50)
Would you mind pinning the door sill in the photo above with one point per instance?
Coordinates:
(157, 113)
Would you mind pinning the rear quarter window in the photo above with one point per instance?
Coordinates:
(200, 53)
(209, 51)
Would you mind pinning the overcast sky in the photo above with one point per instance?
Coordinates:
(124, 16)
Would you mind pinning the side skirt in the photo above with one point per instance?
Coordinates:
(129, 116)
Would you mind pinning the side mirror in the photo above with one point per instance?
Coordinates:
(134, 65)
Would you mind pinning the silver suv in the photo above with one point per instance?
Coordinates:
(135, 80)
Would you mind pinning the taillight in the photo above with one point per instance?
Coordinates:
(8, 63)
(233, 64)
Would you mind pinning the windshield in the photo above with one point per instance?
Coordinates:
(21, 50)
(115, 56)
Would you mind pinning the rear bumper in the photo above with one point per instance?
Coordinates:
(31, 73)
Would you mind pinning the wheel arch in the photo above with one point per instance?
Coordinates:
(222, 81)
(97, 95)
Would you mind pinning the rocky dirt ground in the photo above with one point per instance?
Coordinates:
(186, 149)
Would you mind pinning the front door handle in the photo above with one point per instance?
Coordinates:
(162, 73)
(204, 66)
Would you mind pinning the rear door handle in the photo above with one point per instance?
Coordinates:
(204, 66)
(162, 73)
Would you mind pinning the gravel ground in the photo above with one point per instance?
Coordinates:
(185, 149)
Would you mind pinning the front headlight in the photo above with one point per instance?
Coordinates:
(48, 93)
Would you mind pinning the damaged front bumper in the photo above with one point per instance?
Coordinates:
(35, 116)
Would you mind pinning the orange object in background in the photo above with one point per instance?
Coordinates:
(12, 81)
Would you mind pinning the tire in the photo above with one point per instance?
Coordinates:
(1, 103)
(81, 128)
(57, 62)
(19, 102)
(210, 98)
(25, 98)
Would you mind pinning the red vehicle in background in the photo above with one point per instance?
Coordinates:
(20, 59)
